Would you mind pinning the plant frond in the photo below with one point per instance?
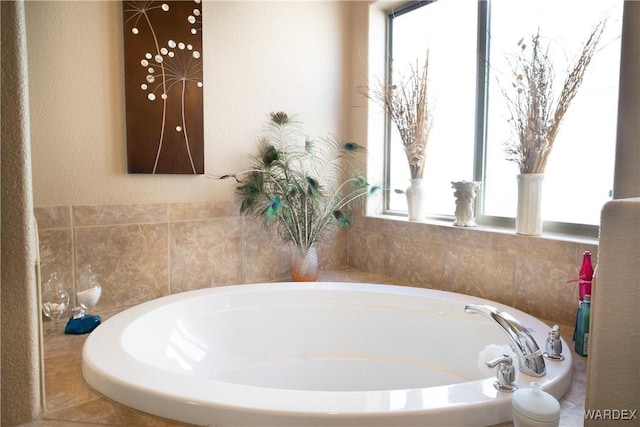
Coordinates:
(353, 147)
(303, 187)
(308, 145)
(408, 104)
(279, 118)
(343, 220)
(536, 106)
(313, 187)
(269, 154)
(273, 210)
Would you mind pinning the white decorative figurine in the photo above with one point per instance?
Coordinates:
(465, 195)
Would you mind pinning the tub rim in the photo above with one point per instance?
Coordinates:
(142, 385)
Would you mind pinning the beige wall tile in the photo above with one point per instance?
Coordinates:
(56, 255)
(265, 257)
(397, 228)
(53, 217)
(534, 247)
(119, 214)
(416, 260)
(541, 288)
(131, 261)
(332, 251)
(369, 251)
(154, 249)
(468, 237)
(520, 271)
(371, 223)
(202, 210)
(205, 253)
(485, 274)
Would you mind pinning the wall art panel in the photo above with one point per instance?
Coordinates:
(163, 85)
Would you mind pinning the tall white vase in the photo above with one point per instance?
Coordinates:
(415, 200)
(529, 217)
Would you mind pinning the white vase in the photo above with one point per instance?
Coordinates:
(529, 217)
(415, 200)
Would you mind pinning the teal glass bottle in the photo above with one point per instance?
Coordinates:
(582, 326)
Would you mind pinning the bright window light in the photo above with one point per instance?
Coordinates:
(579, 174)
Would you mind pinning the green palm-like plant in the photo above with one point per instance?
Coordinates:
(303, 187)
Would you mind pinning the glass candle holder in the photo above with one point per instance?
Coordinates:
(88, 290)
(55, 300)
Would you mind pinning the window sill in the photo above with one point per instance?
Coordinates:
(496, 229)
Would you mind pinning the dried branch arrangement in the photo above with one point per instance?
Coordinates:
(536, 107)
(406, 102)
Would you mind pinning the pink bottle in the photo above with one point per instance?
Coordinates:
(586, 275)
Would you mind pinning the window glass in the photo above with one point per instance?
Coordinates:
(579, 174)
(448, 32)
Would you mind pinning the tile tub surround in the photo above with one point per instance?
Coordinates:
(525, 272)
(71, 402)
(143, 251)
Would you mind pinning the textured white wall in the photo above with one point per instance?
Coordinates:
(259, 56)
(20, 356)
(627, 177)
(613, 375)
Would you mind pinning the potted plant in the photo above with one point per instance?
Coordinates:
(406, 102)
(536, 110)
(303, 188)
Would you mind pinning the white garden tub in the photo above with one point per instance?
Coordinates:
(293, 354)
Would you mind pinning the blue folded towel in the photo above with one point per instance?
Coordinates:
(82, 325)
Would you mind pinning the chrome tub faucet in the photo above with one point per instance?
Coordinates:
(530, 358)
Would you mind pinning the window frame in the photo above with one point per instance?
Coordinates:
(480, 137)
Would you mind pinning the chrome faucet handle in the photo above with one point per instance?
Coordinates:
(554, 345)
(505, 374)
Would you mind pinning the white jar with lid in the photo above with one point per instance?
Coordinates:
(533, 407)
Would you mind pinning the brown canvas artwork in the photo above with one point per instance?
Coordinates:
(163, 86)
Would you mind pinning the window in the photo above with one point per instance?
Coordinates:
(470, 121)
